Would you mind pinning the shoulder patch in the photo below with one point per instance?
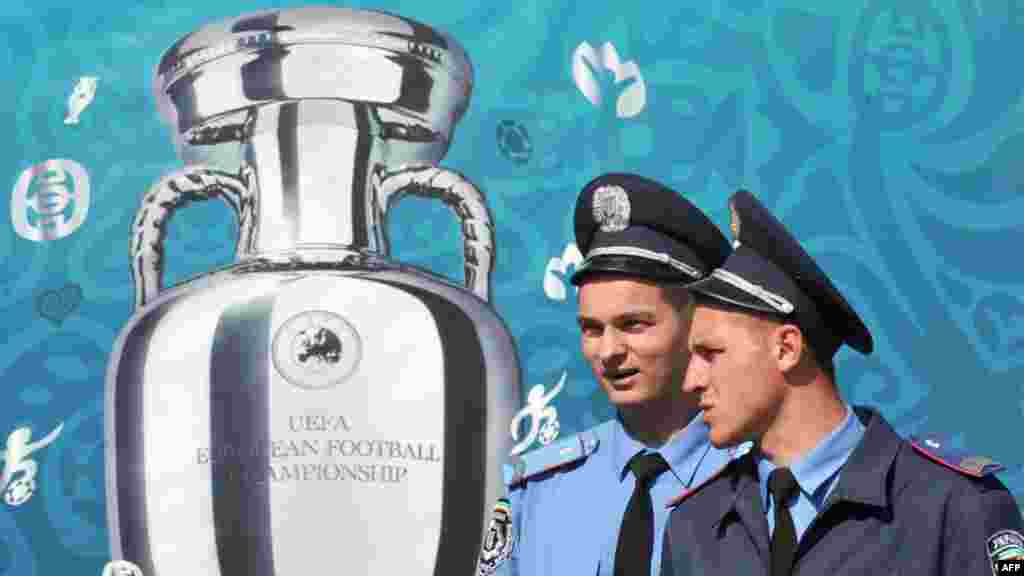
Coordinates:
(941, 452)
(566, 451)
(1006, 551)
(498, 543)
(677, 500)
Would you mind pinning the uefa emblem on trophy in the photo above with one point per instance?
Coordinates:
(314, 405)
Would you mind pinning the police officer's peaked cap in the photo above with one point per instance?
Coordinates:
(631, 225)
(770, 272)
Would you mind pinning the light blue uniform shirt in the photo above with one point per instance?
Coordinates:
(567, 513)
(816, 473)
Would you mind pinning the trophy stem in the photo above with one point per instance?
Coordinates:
(310, 163)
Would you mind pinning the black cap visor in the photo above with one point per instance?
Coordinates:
(628, 266)
(642, 251)
(749, 281)
(714, 287)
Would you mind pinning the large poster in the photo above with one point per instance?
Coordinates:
(886, 134)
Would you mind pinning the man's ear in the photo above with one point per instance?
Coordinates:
(788, 346)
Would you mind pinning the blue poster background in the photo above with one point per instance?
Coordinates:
(886, 134)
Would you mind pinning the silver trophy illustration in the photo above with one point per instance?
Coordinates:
(315, 405)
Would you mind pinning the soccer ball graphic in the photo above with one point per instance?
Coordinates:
(19, 491)
(514, 141)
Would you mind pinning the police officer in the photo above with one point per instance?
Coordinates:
(597, 502)
(828, 488)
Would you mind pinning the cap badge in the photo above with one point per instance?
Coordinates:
(611, 208)
(734, 223)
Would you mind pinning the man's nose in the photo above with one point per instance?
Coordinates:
(612, 346)
(696, 377)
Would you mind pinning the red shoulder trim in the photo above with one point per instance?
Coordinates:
(677, 500)
(974, 466)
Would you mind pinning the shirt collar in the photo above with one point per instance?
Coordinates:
(865, 478)
(683, 452)
(814, 468)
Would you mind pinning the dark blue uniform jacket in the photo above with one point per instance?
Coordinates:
(896, 510)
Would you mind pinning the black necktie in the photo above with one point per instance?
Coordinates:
(636, 536)
(782, 486)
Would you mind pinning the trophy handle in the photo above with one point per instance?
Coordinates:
(176, 190)
(464, 198)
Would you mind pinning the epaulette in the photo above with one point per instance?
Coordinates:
(566, 451)
(942, 452)
(735, 453)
